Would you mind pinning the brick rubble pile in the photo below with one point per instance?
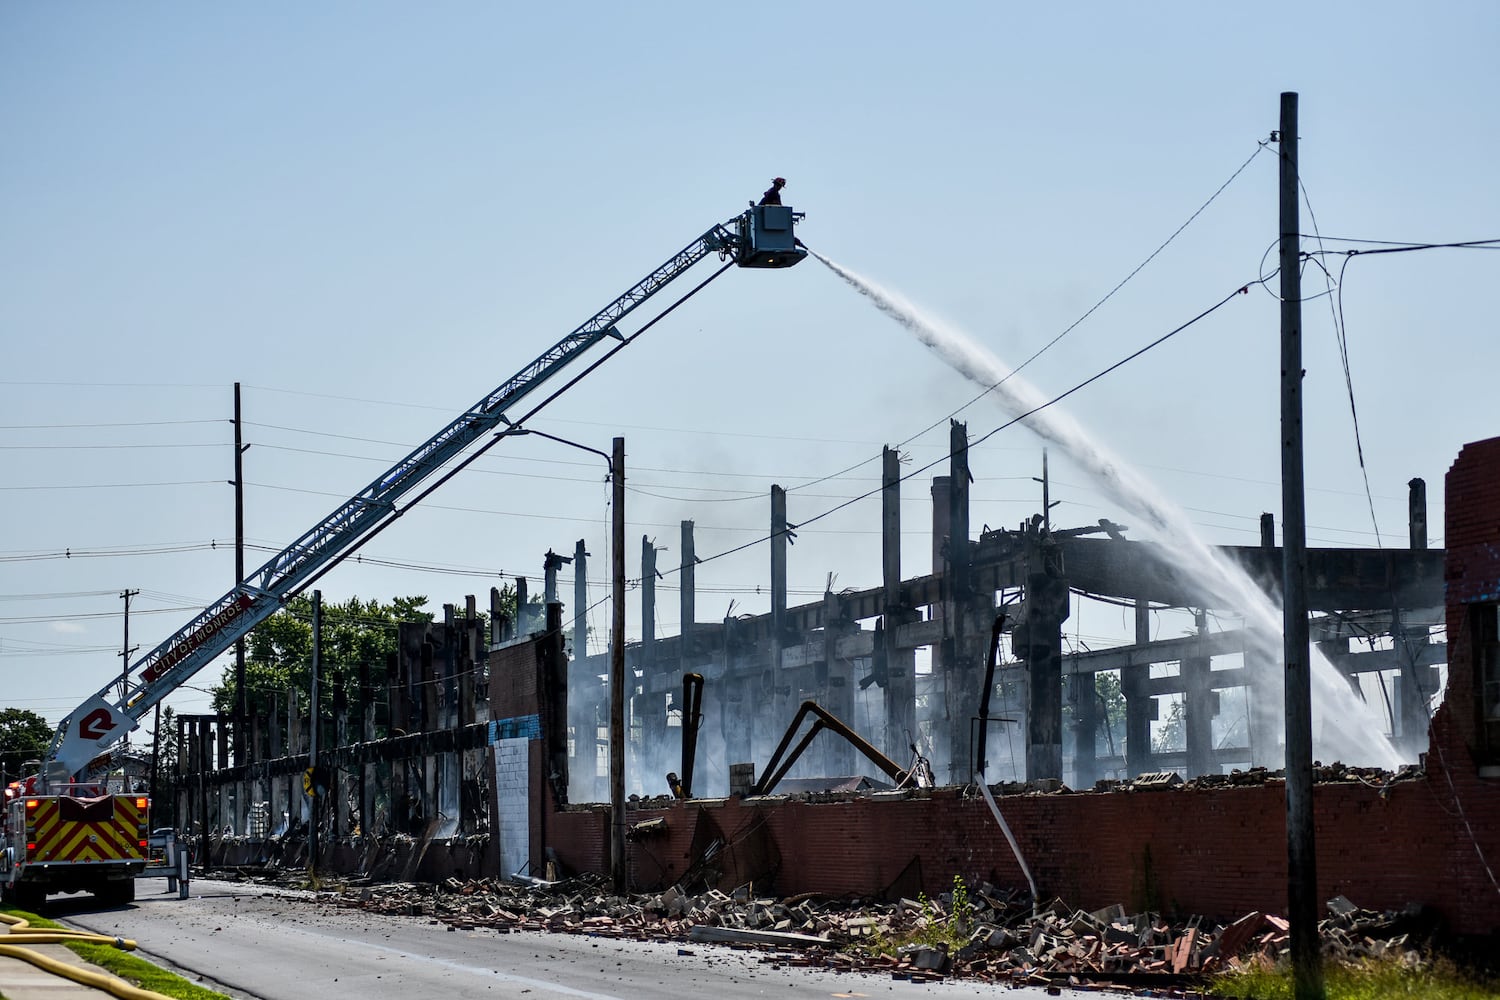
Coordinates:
(999, 939)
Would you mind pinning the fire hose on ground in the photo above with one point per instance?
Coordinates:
(16, 944)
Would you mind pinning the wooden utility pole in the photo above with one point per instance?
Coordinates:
(241, 711)
(125, 649)
(617, 733)
(1301, 843)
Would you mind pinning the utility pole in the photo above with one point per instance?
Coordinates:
(1301, 842)
(125, 648)
(312, 729)
(241, 712)
(617, 731)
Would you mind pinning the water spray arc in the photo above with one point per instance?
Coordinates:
(1348, 729)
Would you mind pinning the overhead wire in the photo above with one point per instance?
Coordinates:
(1337, 315)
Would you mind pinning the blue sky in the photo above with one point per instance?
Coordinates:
(372, 214)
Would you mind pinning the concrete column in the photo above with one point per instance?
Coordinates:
(366, 783)
(648, 606)
(935, 715)
(1040, 644)
(497, 617)
(837, 685)
(428, 681)
(277, 742)
(736, 705)
(179, 780)
(398, 794)
(1140, 707)
(523, 617)
(1085, 730)
(551, 563)
(580, 601)
(340, 784)
(468, 664)
(962, 673)
(254, 789)
(899, 666)
(1263, 660)
(780, 685)
(1199, 706)
(942, 488)
(651, 707)
(688, 594)
(295, 745)
(1414, 684)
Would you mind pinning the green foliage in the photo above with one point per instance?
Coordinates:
(1109, 710)
(166, 743)
(950, 931)
(1372, 979)
(278, 655)
(934, 929)
(24, 735)
(128, 967)
(1173, 733)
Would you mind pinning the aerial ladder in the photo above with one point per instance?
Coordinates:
(761, 237)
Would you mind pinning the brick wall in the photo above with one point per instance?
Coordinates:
(1471, 576)
(1220, 852)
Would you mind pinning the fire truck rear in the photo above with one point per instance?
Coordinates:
(71, 841)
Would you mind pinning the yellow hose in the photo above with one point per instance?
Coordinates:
(23, 934)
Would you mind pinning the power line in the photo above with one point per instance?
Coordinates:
(101, 447)
(111, 424)
(1337, 315)
(106, 552)
(88, 616)
(113, 486)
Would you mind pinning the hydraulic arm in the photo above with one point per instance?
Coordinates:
(761, 237)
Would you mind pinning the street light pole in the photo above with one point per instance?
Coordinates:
(617, 732)
(617, 675)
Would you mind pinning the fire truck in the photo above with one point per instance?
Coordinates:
(76, 837)
(63, 831)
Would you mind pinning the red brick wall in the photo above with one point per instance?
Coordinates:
(1220, 852)
(1471, 574)
(513, 675)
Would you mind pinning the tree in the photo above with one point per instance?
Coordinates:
(165, 737)
(278, 657)
(1109, 710)
(1173, 732)
(1112, 719)
(24, 736)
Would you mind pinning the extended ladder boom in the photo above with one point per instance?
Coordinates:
(106, 717)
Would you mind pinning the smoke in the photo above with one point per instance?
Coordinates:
(1345, 727)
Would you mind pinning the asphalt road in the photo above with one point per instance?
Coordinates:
(270, 944)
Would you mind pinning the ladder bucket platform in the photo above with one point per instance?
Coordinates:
(766, 238)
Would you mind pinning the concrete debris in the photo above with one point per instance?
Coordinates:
(998, 937)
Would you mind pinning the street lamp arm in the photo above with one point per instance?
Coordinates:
(517, 431)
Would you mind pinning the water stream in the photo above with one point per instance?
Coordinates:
(1344, 727)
